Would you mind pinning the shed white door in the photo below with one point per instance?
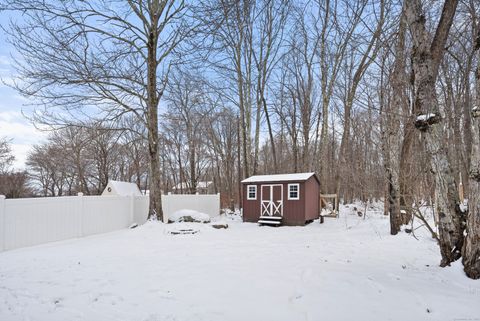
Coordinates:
(271, 203)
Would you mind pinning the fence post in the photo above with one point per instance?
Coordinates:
(3, 229)
(132, 210)
(80, 213)
(165, 207)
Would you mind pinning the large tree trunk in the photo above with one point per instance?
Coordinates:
(426, 57)
(471, 251)
(152, 123)
(447, 203)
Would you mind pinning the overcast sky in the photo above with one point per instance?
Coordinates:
(13, 124)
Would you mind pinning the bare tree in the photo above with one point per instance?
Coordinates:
(334, 36)
(6, 156)
(268, 35)
(355, 70)
(188, 108)
(228, 30)
(107, 59)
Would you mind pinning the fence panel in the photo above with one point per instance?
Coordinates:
(208, 204)
(140, 209)
(105, 213)
(2, 223)
(31, 221)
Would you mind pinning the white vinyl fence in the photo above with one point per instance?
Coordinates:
(208, 204)
(31, 221)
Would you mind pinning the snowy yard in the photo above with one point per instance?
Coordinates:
(345, 269)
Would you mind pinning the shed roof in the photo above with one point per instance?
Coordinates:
(279, 178)
(122, 188)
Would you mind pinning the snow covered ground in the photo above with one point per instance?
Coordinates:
(345, 269)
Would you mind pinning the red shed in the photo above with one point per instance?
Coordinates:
(289, 199)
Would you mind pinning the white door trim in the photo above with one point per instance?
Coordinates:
(269, 207)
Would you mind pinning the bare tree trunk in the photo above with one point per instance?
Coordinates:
(394, 133)
(471, 251)
(406, 157)
(193, 163)
(270, 133)
(426, 58)
(152, 119)
(390, 162)
(239, 167)
(257, 138)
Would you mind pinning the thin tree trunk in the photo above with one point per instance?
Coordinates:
(239, 167)
(270, 133)
(193, 163)
(406, 163)
(393, 130)
(257, 136)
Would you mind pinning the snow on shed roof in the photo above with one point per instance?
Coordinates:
(121, 188)
(278, 177)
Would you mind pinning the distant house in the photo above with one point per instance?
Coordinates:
(121, 189)
(205, 187)
(288, 199)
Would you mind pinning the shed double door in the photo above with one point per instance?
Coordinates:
(271, 203)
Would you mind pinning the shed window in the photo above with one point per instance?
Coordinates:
(293, 191)
(251, 192)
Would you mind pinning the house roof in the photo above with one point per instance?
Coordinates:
(279, 178)
(186, 185)
(122, 188)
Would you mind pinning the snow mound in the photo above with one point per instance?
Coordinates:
(188, 216)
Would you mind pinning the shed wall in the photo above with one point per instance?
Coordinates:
(312, 200)
(294, 210)
(251, 208)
